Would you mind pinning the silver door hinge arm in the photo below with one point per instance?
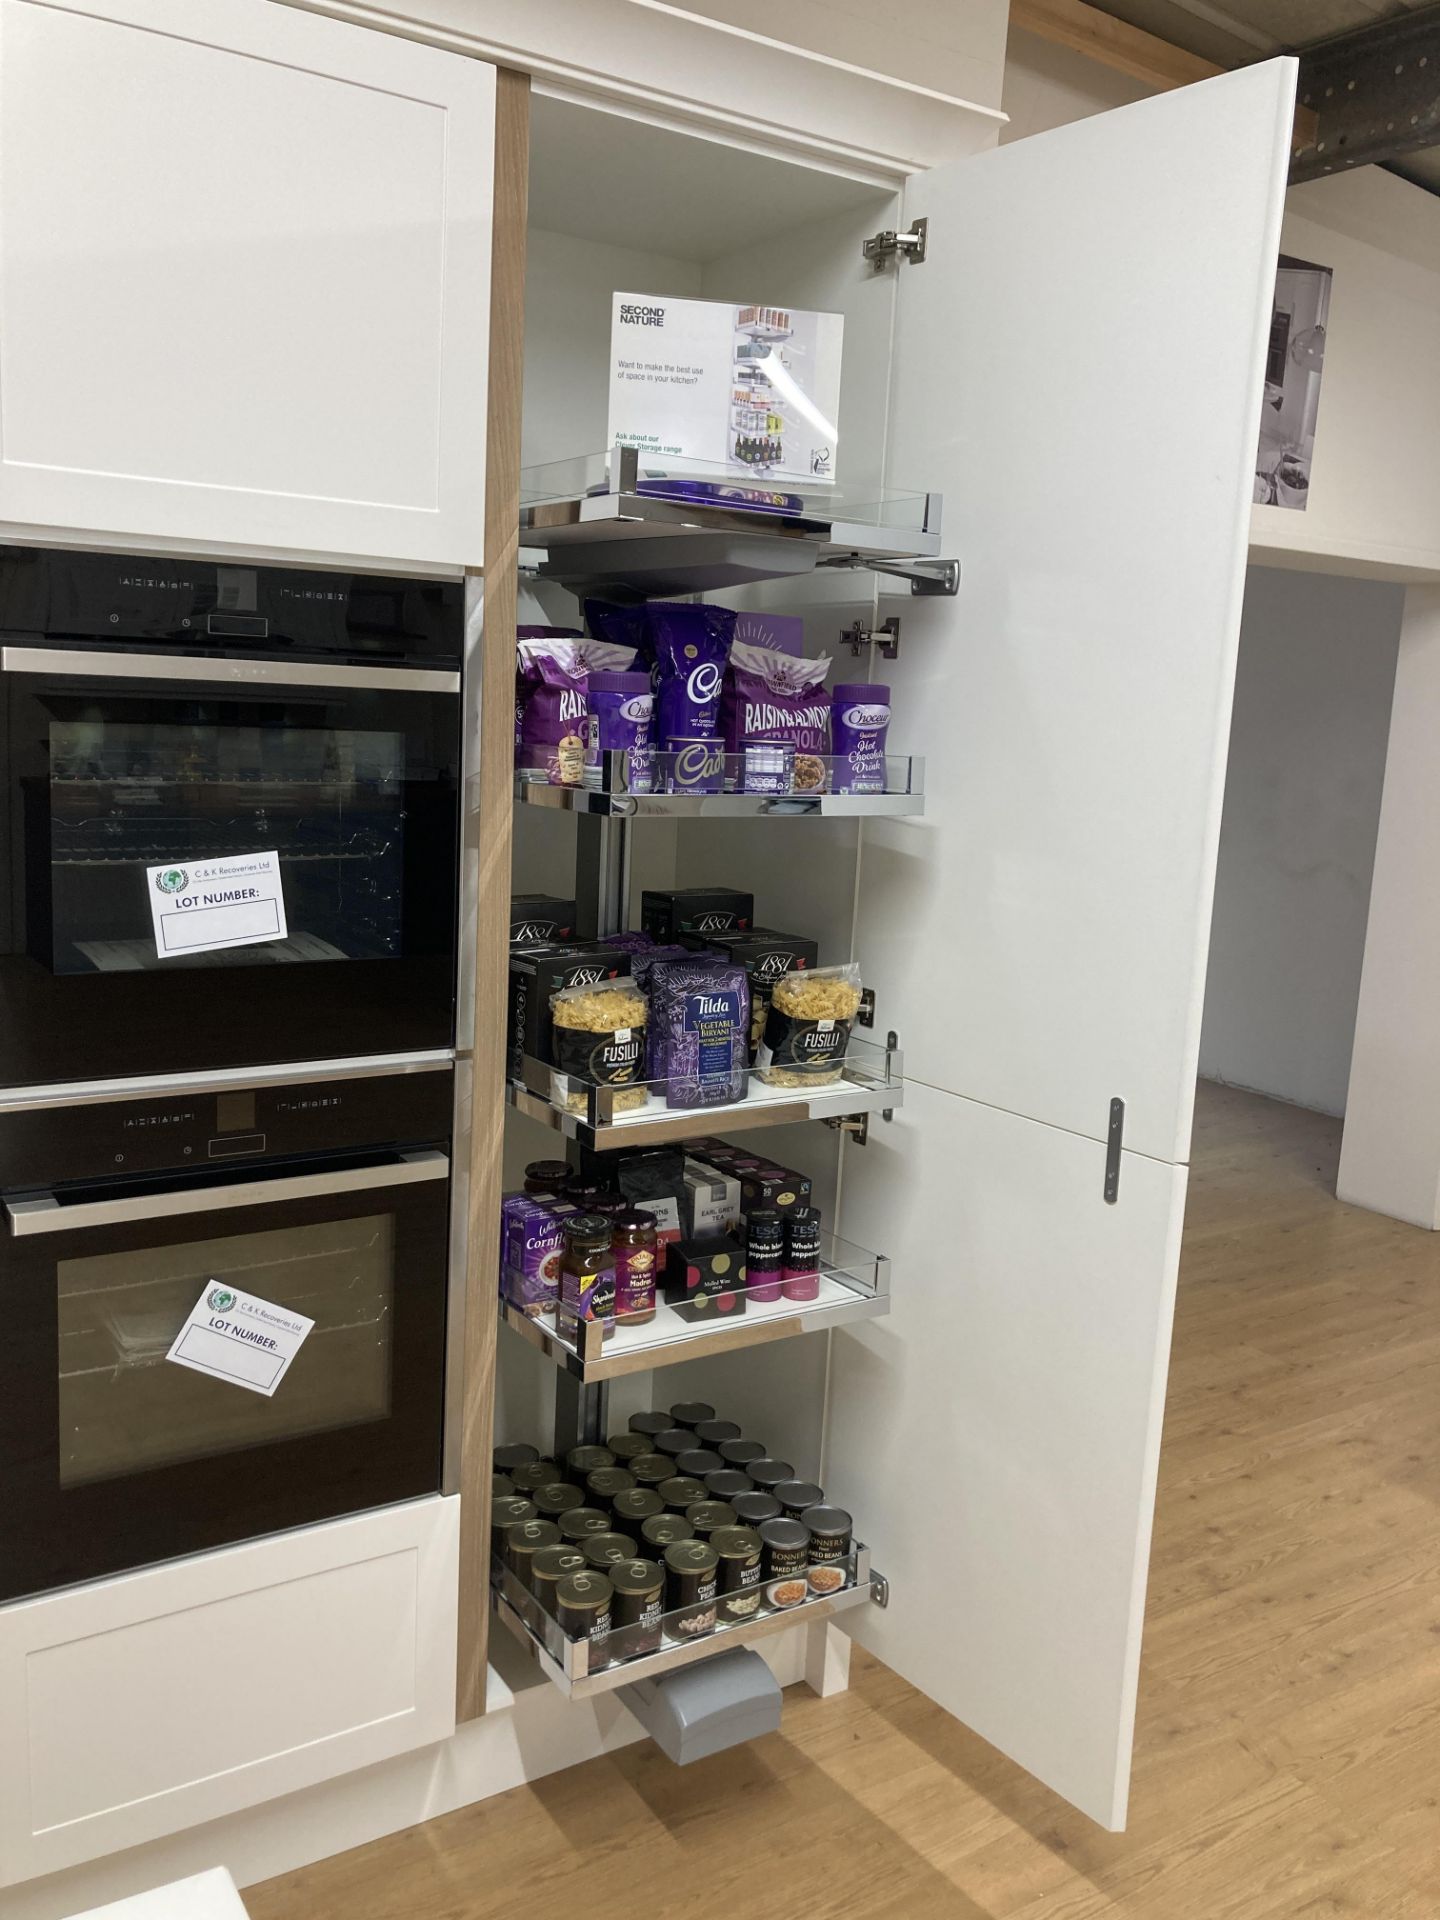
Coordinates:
(887, 245)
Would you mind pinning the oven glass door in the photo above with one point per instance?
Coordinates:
(115, 1456)
(114, 774)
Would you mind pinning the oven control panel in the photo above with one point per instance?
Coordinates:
(108, 1139)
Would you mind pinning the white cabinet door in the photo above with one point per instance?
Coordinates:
(244, 280)
(134, 1707)
(1078, 366)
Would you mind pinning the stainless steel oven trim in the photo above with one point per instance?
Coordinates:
(46, 1215)
(186, 670)
(89, 1093)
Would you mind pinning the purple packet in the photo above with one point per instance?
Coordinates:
(522, 687)
(556, 672)
(691, 645)
(775, 697)
(534, 1242)
(861, 718)
(699, 1031)
(621, 710)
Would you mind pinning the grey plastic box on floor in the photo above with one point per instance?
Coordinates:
(706, 1708)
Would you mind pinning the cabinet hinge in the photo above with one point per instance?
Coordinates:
(855, 1126)
(887, 245)
(865, 1013)
(879, 1589)
(886, 636)
(1114, 1141)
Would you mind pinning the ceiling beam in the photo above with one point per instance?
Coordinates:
(1143, 56)
(1375, 92)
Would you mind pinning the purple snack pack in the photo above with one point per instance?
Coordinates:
(860, 716)
(534, 1240)
(773, 696)
(621, 720)
(700, 1031)
(555, 671)
(522, 686)
(691, 644)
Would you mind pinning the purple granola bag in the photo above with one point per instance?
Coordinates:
(556, 673)
(772, 696)
(700, 1031)
(691, 644)
(522, 686)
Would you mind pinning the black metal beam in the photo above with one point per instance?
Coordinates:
(1377, 92)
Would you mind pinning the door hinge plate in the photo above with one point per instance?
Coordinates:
(879, 1589)
(865, 1013)
(1114, 1142)
(886, 636)
(887, 245)
(855, 1126)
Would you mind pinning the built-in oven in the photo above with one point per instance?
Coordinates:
(220, 777)
(159, 1257)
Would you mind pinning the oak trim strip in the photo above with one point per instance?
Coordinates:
(495, 807)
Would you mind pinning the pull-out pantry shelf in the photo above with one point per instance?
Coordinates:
(870, 1081)
(851, 1285)
(582, 1668)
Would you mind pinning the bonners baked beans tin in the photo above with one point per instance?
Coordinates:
(739, 1550)
(650, 1423)
(519, 1454)
(710, 1433)
(831, 1530)
(796, 1495)
(739, 1453)
(691, 1573)
(753, 1509)
(699, 1461)
(726, 1483)
(787, 1548)
(625, 1446)
(675, 1440)
(767, 1474)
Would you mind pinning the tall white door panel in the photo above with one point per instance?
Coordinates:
(999, 1432)
(244, 279)
(1078, 367)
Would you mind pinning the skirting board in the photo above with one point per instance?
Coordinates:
(529, 1731)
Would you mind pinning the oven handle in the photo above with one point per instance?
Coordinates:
(185, 670)
(46, 1215)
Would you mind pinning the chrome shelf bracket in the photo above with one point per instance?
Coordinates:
(925, 576)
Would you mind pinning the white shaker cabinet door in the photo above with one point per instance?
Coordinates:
(244, 281)
(1078, 368)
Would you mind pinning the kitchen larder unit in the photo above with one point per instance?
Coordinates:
(244, 282)
(1076, 373)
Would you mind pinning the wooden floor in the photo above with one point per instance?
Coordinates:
(1288, 1751)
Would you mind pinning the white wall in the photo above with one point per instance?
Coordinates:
(1297, 841)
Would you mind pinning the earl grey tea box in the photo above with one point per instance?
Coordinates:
(535, 976)
(691, 914)
(540, 920)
